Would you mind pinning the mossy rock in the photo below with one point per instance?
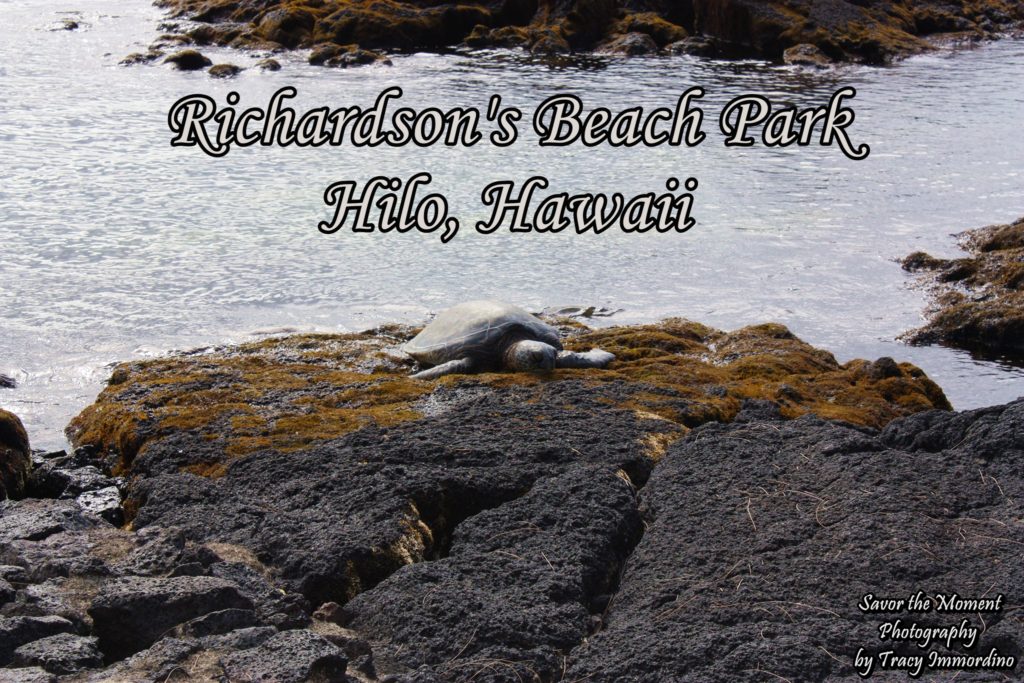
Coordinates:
(630, 44)
(224, 70)
(15, 456)
(390, 24)
(321, 455)
(978, 301)
(189, 60)
(290, 393)
(505, 36)
(660, 30)
(289, 26)
(843, 30)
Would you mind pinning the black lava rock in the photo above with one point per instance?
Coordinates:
(61, 654)
(289, 657)
(131, 613)
(763, 537)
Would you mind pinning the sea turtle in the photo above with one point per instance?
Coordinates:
(481, 336)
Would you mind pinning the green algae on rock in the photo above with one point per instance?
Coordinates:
(978, 300)
(871, 31)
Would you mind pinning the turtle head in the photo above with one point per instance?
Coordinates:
(530, 355)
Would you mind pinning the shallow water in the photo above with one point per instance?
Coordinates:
(116, 245)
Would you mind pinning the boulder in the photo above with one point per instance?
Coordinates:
(141, 58)
(399, 25)
(357, 57)
(160, 551)
(630, 44)
(62, 596)
(289, 26)
(71, 553)
(550, 43)
(105, 503)
(17, 631)
(15, 456)
(805, 54)
(268, 65)
(35, 520)
(188, 60)
(978, 300)
(289, 657)
(701, 46)
(131, 613)
(216, 623)
(663, 32)
(207, 34)
(343, 56)
(351, 643)
(239, 639)
(273, 605)
(31, 674)
(61, 654)
(163, 661)
(14, 574)
(224, 70)
(59, 475)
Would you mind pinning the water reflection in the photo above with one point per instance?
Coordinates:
(117, 245)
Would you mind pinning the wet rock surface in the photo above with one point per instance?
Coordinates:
(188, 60)
(630, 44)
(806, 55)
(141, 58)
(224, 70)
(344, 56)
(978, 301)
(300, 509)
(870, 31)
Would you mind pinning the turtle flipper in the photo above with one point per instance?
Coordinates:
(459, 366)
(594, 358)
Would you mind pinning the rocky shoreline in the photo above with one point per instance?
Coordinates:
(978, 301)
(347, 33)
(296, 509)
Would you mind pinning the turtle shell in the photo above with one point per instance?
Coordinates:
(479, 330)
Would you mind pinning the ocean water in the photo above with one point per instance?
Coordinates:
(116, 245)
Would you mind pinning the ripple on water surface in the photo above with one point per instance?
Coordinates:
(124, 246)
